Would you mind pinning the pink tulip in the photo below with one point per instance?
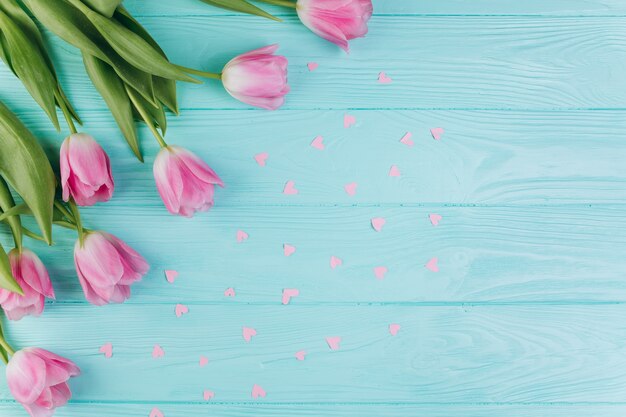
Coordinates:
(257, 78)
(38, 380)
(85, 170)
(31, 274)
(106, 268)
(337, 21)
(185, 182)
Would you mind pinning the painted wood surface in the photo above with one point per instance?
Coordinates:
(524, 316)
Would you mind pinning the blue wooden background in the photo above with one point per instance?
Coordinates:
(527, 314)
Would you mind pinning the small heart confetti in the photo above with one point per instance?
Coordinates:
(156, 412)
(335, 262)
(230, 292)
(261, 158)
(288, 293)
(318, 143)
(288, 249)
(432, 265)
(348, 120)
(290, 188)
(107, 349)
(350, 188)
(300, 355)
(406, 139)
(157, 352)
(380, 272)
(333, 342)
(437, 132)
(207, 395)
(247, 333)
(170, 275)
(312, 66)
(257, 392)
(394, 171)
(204, 361)
(378, 223)
(435, 219)
(394, 328)
(181, 309)
(241, 236)
(383, 78)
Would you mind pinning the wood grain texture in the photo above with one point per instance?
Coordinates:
(466, 354)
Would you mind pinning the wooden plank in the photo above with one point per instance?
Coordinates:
(446, 62)
(421, 7)
(485, 254)
(330, 410)
(466, 354)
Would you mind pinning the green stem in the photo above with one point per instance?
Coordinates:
(4, 343)
(146, 118)
(14, 211)
(63, 210)
(32, 234)
(79, 225)
(65, 224)
(199, 73)
(66, 114)
(284, 3)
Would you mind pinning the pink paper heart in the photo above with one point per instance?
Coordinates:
(261, 158)
(406, 139)
(348, 120)
(288, 249)
(157, 352)
(241, 236)
(378, 223)
(204, 361)
(383, 78)
(288, 293)
(207, 395)
(300, 355)
(350, 188)
(335, 262)
(156, 412)
(181, 309)
(432, 265)
(437, 132)
(318, 143)
(380, 272)
(394, 328)
(107, 349)
(290, 188)
(257, 392)
(248, 332)
(394, 171)
(435, 219)
(230, 292)
(333, 342)
(170, 275)
(312, 66)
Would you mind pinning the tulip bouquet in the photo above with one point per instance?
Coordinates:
(138, 83)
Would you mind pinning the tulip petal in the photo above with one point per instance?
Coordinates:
(26, 376)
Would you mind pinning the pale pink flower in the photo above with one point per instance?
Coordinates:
(85, 170)
(185, 182)
(257, 78)
(106, 267)
(337, 21)
(31, 274)
(38, 380)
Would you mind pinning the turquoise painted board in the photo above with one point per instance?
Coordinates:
(524, 316)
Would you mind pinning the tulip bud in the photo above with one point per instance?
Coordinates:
(257, 78)
(106, 267)
(185, 182)
(38, 380)
(31, 274)
(337, 21)
(85, 170)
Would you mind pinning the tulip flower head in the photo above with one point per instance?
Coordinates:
(337, 21)
(38, 380)
(85, 170)
(257, 78)
(107, 267)
(185, 182)
(32, 276)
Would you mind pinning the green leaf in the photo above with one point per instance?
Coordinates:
(156, 113)
(30, 66)
(6, 203)
(104, 7)
(6, 276)
(112, 90)
(25, 167)
(241, 6)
